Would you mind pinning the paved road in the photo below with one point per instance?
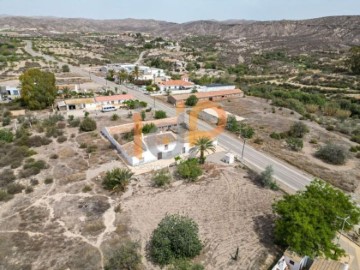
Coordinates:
(291, 178)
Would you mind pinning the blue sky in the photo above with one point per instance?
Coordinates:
(182, 10)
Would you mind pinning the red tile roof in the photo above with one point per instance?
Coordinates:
(113, 98)
(177, 83)
(201, 95)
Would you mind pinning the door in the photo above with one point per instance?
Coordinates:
(160, 155)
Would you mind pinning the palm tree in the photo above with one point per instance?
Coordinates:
(204, 144)
(122, 76)
(117, 179)
(136, 72)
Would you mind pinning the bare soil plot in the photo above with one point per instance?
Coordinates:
(259, 114)
(230, 209)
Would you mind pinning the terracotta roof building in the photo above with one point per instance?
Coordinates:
(179, 100)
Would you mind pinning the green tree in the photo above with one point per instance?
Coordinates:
(204, 144)
(191, 100)
(354, 60)
(160, 114)
(126, 257)
(307, 222)
(65, 68)
(110, 75)
(149, 128)
(38, 90)
(136, 72)
(176, 237)
(87, 124)
(122, 76)
(189, 169)
(298, 130)
(117, 179)
(266, 178)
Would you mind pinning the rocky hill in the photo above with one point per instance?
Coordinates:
(335, 32)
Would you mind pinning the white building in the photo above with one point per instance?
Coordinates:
(165, 144)
(9, 92)
(146, 73)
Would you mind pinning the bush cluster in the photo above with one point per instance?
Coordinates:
(189, 169)
(332, 153)
(176, 237)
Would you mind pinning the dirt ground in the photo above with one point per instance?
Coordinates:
(230, 209)
(73, 223)
(258, 113)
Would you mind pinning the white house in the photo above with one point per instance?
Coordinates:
(165, 144)
(292, 261)
(173, 85)
(146, 73)
(112, 100)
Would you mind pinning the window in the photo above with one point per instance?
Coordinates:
(292, 262)
(166, 146)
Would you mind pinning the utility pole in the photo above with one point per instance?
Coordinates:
(243, 149)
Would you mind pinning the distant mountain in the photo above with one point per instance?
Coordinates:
(327, 32)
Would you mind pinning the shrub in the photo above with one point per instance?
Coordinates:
(13, 155)
(355, 138)
(61, 139)
(266, 178)
(87, 124)
(189, 169)
(14, 188)
(295, 144)
(61, 125)
(33, 141)
(125, 257)
(54, 156)
(313, 141)
(143, 115)
(160, 115)
(34, 182)
(149, 128)
(48, 180)
(117, 179)
(74, 122)
(183, 264)
(29, 189)
(4, 196)
(161, 179)
(7, 177)
(191, 101)
(32, 167)
(358, 155)
(298, 130)
(115, 117)
(6, 121)
(83, 145)
(91, 149)
(176, 237)
(86, 189)
(332, 153)
(259, 141)
(277, 136)
(6, 135)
